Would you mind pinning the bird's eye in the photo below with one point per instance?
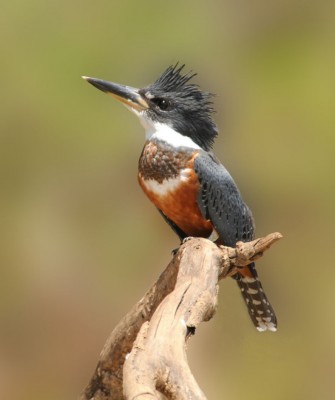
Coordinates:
(161, 103)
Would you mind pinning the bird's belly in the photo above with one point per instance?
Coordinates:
(177, 199)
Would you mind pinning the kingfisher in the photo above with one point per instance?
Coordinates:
(179, 173)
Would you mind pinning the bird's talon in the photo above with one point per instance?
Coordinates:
(174, 251)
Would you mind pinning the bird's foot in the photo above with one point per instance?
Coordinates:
(186, 239)
(175, 251)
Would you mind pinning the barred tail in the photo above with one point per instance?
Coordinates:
(260, 310)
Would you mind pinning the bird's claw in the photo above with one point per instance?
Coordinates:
(175, 251)
(186, 239)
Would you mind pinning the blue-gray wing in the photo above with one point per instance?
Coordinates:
(220, 201)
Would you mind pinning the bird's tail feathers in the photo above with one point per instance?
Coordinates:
(259, 307)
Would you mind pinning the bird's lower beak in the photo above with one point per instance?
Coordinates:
(126, 94)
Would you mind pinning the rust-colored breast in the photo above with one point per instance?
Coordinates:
(176, 197)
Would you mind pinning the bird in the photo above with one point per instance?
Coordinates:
(182, 177)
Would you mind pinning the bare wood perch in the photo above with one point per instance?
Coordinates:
(155, 330)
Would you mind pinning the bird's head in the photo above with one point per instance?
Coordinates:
(171, 108)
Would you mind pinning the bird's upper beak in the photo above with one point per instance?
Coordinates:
(128, 95)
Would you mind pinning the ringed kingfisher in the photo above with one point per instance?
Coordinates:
(178, 172)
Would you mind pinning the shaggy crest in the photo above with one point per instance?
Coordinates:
(190, 108)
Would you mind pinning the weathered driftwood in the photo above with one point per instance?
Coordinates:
(144, 357)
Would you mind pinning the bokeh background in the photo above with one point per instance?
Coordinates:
(80, 243)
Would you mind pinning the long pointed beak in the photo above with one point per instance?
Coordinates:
(126, 94)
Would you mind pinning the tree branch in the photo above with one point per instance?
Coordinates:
(155, 331)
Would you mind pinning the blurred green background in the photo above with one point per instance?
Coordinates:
(81, 243)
